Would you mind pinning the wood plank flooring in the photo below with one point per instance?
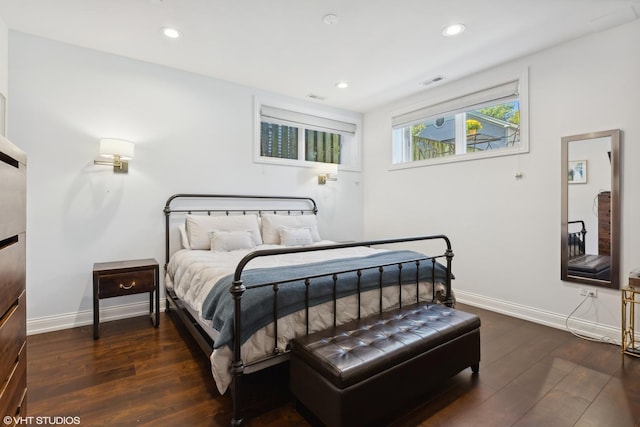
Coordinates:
(137, 375)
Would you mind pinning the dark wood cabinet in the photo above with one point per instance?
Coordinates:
(13, 320)
(120, 278)
(604, 223)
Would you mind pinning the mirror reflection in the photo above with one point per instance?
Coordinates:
(590, 206)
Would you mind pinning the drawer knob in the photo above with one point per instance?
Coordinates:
(127, 287)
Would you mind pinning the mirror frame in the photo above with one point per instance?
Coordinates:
(614, 282)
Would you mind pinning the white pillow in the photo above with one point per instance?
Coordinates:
(295, 236)
(199, 227)
(225, 241)
(183, 236)
(272, 223)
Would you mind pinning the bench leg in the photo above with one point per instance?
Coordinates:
(475, 368)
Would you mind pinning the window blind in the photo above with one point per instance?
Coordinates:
(504, 92)
(306, 120)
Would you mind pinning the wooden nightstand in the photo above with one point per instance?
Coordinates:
(115, 279)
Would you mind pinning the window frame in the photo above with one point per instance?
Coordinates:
(523, 147)
(350, 148)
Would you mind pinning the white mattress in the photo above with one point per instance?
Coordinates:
(192, 273)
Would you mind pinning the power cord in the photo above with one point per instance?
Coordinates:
(603, 339)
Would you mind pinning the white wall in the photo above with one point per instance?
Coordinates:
(506, 232)
(192, 134)
(4, 60)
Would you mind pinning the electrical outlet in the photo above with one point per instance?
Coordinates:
(593, 293)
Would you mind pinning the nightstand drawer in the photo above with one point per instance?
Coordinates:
(134, 282)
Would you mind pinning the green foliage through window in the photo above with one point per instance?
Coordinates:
(278, 141)
(323, 147)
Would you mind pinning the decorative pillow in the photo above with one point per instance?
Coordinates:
(183, 236)
(199, 227)
(225, 241)
(295, 236)
(271, 224)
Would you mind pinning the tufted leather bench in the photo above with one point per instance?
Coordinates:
(362, 371)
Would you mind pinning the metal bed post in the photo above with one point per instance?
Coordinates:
(449, 255)
(237, 367)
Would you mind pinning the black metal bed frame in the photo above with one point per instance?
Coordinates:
(577, 240)
(237, 289)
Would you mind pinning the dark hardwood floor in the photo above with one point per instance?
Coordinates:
(137, 375)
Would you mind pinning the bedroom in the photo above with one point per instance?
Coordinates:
(188, 127)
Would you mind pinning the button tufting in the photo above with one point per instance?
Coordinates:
(366, 346)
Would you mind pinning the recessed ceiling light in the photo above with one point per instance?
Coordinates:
(330, 19)
(342, 85)
(172, 33)
(453, 30)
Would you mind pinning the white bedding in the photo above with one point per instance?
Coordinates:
(192, 273)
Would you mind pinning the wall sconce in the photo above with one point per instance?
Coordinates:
(117, 149)
(328, 172)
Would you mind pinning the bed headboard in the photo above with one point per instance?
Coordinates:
(179, 205)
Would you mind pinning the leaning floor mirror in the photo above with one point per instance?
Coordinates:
(590, 229)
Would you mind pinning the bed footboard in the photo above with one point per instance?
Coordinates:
(238, 289)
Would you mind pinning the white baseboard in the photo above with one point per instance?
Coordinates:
(598, 331)
(554, 320)
(82, 318)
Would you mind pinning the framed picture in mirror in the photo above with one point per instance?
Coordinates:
(577, 172)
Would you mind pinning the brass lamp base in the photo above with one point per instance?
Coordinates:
(119, 166)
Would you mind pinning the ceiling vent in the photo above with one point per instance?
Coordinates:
(432, 81)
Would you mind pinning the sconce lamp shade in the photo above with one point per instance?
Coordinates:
(110, 147)
(119, 150)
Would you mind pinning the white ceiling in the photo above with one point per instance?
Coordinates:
(384, 49)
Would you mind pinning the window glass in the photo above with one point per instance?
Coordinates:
(482, 122)
(323, 147)
(278, 141)
(433, 138)
(493, 127)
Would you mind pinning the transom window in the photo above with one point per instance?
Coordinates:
(482, 124)
(292, 137)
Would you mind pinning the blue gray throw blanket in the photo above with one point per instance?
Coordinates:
(257, 303)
